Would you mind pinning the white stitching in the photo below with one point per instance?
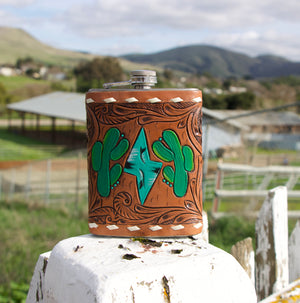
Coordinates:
(177, 99)
(154, 100)
(198, 225)
(109, 100)
(155, 228)
(177, 227)
(198, 99)
(93, 225)
(133, 228)
(112, 227)
(132, 99)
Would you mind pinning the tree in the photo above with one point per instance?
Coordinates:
(93, 74)
(240, 101)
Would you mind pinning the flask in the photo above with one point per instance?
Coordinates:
(144, 159)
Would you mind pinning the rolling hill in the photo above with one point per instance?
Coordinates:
(218, 62)
(17, 43)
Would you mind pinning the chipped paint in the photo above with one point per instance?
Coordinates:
(132, 270)
(272, 244)
(290, 294)
(294, 253)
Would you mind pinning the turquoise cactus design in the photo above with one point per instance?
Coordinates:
(168, 149)
(112, 148)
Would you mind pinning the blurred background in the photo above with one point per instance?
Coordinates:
(243, 56)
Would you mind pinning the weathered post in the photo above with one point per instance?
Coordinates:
(294, 253)
(272, 244)
(244, 254)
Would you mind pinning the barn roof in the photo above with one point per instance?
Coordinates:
(63, 105)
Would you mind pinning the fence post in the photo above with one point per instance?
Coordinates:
(294, 253)
(12, 185)
(244, 254)
(28, 182)
(48, 177)
(219, 182)
(272, 244)
(78, 180)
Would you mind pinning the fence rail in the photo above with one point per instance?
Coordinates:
(50, 180)
(236, 180)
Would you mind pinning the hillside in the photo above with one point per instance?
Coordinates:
(218, 62)
(17, 43)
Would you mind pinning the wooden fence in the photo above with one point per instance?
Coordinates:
(275, 265)
(240, 181)
(49, 181)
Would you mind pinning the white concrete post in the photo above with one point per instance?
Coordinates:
(37, 285)
(272, 244)
(103, 269)
(294, 253)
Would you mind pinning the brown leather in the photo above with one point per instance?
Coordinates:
(144, 162)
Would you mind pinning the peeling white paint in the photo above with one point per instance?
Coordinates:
(294, 253)
(272, 244)
(174, 270)
(37, 285)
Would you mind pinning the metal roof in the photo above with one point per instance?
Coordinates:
(272, 118)
(63, 105)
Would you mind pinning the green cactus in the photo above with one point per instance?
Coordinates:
(183, 158)
(102, 153)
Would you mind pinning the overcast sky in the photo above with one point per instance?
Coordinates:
(115, 27)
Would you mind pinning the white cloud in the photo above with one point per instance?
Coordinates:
(17, 3)
(253, 27)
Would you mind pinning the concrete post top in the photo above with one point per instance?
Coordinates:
(101, 269)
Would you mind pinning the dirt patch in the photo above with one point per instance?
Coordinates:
(11, 164)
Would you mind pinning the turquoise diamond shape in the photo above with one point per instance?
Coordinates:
(139, 164)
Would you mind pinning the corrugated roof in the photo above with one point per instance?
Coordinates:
(63, 105)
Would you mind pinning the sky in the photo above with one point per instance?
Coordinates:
(115, 27)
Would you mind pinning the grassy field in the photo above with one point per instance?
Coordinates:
(26, 231)
(17, 147)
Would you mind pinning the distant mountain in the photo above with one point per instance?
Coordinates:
(198, 59)
(17, 43)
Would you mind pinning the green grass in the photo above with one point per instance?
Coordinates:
(27, 230)
(17, 147)
(16, 82)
